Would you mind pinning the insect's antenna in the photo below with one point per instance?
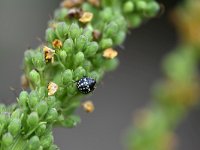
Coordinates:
(14, 91)
(40, 40)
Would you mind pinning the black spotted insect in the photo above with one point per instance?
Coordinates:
(86, 85)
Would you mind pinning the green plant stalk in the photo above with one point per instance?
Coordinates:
(174, 96)
(73, 49)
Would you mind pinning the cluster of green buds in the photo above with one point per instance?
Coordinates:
(178, 93)
(79, 43)
(137, 10)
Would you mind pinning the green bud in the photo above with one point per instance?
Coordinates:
(119, 38)
(53, 147)
(63, 56)
(28, 55)
(51, 101)
(135, 20)
(52, 115)
(106, 43)
(42, 108)
(3, 118)
(14, 126)
(81, 42)
(33, 120)
(128, 7)
(7, 139)
(79, 73)
(42, 91)
(71, 121)
(98, 60)
(88, 33)
(38, 60)
(68, 45)
(79, 58)
(111, 64)
(16, 114)
(122, 23)
(74, 31)
(106, 14)
(61, 118)
(111, 29)
(23, 98)
(50, 35)
(61, 30)
(94, 75)
(87, 65)
(91, 49)
(2, 107)
(35, 77)
(33, 99)
(46, 141)
(141, 5)
(34, 143)
(152, 8)
(60, 14)
(71, 90)
(67, 76)
(41, 129)
(1, 128)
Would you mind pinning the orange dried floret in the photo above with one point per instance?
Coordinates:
(110, 53)
(52, 88)
(86, 17)
(48, 54)
(88, 106)
(57, 43)
(71, 3)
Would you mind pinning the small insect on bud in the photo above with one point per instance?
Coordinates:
(86, 85)
(75, 13)
(48, 54)
(96, 35)
(94, 2)
(110, 53)
(52, 88)
(86, 17)
(57, 43)
(71, 3)
(88, 106)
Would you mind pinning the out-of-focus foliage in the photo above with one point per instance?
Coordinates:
(175, 95)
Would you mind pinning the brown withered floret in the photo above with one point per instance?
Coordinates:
(75, 13)
(48, 54)
(71, 3)
(24, 82)
(57, 43)
(96, 35)
(88, 106)
(94, 2)
(86, 17)
(52, 88)
(110, 53)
